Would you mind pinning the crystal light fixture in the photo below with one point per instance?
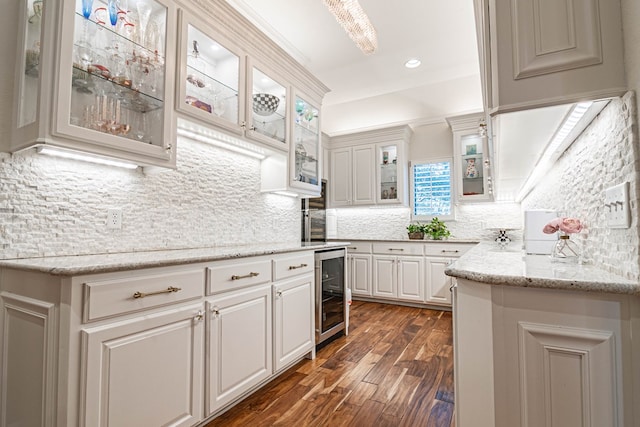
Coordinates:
(355, 22)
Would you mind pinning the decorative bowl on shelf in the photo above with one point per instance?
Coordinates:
(265, 104)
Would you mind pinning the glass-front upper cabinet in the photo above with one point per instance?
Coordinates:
(305, 154)
(110, 91)
(471, 160)
(267, 108)
(387, 165)
(209, 75)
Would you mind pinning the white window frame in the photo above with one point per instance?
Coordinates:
(449, 217)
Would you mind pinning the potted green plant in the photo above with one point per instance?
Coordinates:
(416, 231)
(436, 229)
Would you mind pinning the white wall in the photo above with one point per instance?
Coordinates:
(51, 206)
(604, 155)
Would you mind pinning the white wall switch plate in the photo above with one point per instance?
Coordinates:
(616, 206)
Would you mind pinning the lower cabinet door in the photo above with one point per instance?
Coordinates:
(293, 319)
(411, 278)
(438, 283)
(145, 371)
(384, 276)
(360, 275)
(239, 332)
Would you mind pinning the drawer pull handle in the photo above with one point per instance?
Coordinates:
(169, 290)
(293, 267)
(445, 251)
(353, 248)
(252, 274)
(396, 249)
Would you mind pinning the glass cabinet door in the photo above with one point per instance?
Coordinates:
(306, 140)
(472, 162)
(267, 111)
(28, 81)
(388, 173)
(118, 70)
(209, 76)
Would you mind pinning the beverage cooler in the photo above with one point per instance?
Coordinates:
(331, 307)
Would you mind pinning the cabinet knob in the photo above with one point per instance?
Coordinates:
(215, 311)
(198, 316)
(278, 293)
(169, 147)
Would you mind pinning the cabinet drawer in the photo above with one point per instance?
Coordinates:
(292, 265)
(359, 248)
(398, 248)
(446, 249)
(238, 274)
(107, 298)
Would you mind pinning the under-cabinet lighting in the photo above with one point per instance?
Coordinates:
(223, 141)
(85, 157)
(560, 141)
(285, 193)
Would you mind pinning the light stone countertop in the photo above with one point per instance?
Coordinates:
(105, 263)
(407, 240)
(486, 263)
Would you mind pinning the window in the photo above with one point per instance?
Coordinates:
(431, 189)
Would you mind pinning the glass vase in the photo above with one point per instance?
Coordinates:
(565, 250)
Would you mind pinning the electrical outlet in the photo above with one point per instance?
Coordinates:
(114, 219)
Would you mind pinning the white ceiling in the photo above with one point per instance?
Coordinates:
(376, 91)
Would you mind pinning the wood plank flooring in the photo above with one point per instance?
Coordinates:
(394, 369)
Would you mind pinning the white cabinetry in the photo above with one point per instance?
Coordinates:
(536, 53)
(239, 343)
(293, 327)
(438, 283)
(352, 177)
(293, 307)
(398, 276)
(472, 159)
(359, 269)
(152, 361)
(369, 168)
(438, 257)
(147, 347)
(563, 357)
(98, 89)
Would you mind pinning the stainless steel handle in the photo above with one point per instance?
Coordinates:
(246, 276)
(169, 290)
(396, 249)
(444, 251)
(294, 267)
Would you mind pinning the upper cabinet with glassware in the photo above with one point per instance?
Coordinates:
(97, 77)
(370, 168)
(472, 160)
(94, 76)
(536, 54)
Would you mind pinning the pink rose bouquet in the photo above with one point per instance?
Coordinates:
(567, 225)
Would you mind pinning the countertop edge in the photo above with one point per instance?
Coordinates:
(113, 262)
(481, 263)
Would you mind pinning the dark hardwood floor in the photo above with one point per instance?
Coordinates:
(394, 369)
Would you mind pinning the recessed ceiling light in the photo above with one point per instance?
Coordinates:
(412, 63)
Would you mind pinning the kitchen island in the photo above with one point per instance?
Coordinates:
(150, 338)
(543, 343)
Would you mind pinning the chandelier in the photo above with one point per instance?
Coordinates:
(355, 22)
